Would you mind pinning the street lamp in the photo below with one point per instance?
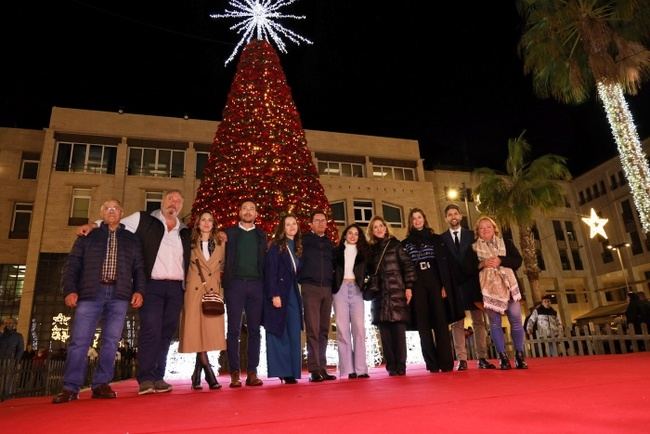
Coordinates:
(617, 248)
(454, 194)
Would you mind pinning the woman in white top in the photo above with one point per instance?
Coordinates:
(349, 272)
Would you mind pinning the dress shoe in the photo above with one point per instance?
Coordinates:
(315, 377)
(161, 386)
(288, 380)
(146, 387)
(210, 378)
(392, 373)
(504, 363)
(401, 372)
(252, 380)
(462, 365)
(352, 376)
(363, 376)
(485, 364)
(519, 360)
(234, 379)
(65, 396)
(327, 376)
(104, 391)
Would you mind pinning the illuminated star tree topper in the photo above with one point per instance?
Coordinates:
(257, 20)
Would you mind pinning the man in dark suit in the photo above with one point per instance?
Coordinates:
(459, 240)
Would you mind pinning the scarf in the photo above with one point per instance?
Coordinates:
(497, 284)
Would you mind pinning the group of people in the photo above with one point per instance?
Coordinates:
(155, 263)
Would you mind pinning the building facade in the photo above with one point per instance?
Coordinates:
(57, 179)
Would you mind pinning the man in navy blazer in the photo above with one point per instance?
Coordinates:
(459, 240)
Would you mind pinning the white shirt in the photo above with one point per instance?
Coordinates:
(169, 261)
(457, 231)
(205, 250)
(350, 254)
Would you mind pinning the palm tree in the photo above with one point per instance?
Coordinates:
(527, 187)
(572, 46)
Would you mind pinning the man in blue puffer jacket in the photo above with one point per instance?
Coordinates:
(103, 274)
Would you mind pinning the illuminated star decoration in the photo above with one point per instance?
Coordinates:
(257, 20)
(596, 224)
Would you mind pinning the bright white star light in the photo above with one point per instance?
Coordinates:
(257, 21)
(596, 224)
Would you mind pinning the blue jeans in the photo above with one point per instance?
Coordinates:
(516, 329)
(86, 316)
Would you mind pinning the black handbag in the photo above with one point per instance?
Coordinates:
(372, 283)
(211, 302)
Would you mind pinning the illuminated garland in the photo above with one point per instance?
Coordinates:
(633, 159)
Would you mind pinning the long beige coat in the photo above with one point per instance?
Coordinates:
(201, 332)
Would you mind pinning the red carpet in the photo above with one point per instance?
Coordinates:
(594, 394)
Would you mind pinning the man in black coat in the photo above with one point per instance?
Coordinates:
(316, 277)
(459, 240)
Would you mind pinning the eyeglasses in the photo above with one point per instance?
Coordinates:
(113, 209)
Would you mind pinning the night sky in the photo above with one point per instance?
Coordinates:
(448, 77)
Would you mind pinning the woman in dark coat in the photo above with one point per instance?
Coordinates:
(282, 302)
(436, 302)
(390, 310)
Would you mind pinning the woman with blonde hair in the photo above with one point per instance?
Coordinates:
(389, 308)
(200, 333)
(495, 260)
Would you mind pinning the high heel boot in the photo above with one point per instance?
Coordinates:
(196, 376)
(504, 363)
(211, 378)
(520, 363)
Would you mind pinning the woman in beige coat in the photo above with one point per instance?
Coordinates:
(202, 333)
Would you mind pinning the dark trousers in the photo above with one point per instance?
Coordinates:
(159, 317)
(244, 296)
(393, 342)
(317, 305)
(429, 310)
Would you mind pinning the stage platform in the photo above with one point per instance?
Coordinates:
(589, 394)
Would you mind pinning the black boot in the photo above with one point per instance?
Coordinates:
(519, 360)
(211, 378)
(504, 363)
(196, 376)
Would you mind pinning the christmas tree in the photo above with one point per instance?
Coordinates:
(260, 150)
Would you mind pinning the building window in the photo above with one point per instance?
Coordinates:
(588, 193)
(613, 183)
(338, 212)
(393, 172)
(153, 200)
(338, 168)
(603, 191)
(581, 198)
(29, 165)
(573, 246)
(621, 178)
(606, 253)
(85, 157)
(167, 163)
(79, 210)
(557, 228)
(571, 296)
(21, 219)
(596, 193)
(201, 162)
(48, 299)
(392, 215)
(12, 279)
(363, 212)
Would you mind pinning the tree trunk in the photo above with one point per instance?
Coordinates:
(529, 254)
(633, 159)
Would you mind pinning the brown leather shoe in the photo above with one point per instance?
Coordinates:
(104, 391)
(234, 379)
(65, 396)
(252, 380)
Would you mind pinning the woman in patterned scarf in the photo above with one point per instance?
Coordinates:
(496, 260)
